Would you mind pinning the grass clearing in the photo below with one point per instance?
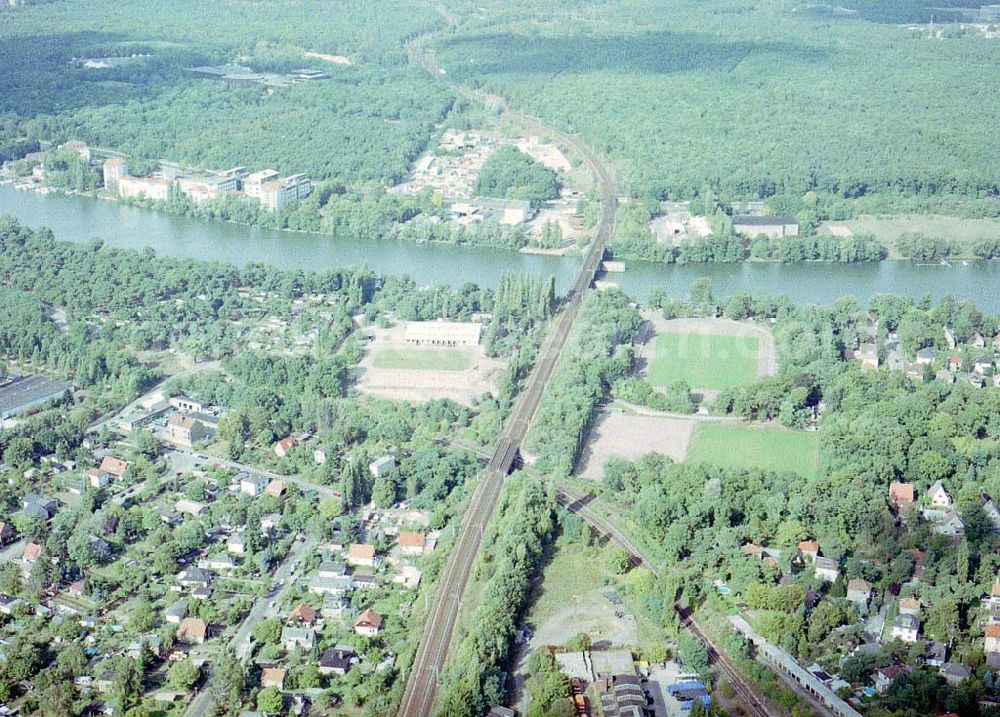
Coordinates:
(889, 229)
(704, 361)
(767, 448)
(423, 359)
(572, 571)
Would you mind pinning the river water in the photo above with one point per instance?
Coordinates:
(79, 219)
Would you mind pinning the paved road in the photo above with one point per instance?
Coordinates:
(14, 551)
(422, 680)
(194, 458)
(264, 607)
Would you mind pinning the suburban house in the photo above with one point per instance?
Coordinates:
(319, 455)
(303, 613)
(905, 628)
(190, 507)
(944, 522)
(982, 365)
(338, 585)
(32, 552)
(194, 578)
(335, 606)
(114, 466)
(236, 544)
(992, 514)
(330, 569)
(935, 654)
(901, 494)
(362, 554)
(185, 403)
(98, 478)
(270, 522)
(809, 549)
(884, 677)
(827, 569)
(284, 446)
(775, 227)
(192, 631)
(909, 606)
(38, 506)
(859, 592)
(275, 488)
(296, 637)
(272, 677)
(954, 673)
(8, 603)
(185, 430)
(411, 543)
(991, 637)
(938, 496)
(218, 562)
(381, 466)
(176, 612)
(926, 356)
(335, 661)
(252, 485)
(368, 623)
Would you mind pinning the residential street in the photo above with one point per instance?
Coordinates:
(264, 607)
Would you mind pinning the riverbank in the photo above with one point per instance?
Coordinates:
(79, 219)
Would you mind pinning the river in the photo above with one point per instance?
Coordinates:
(79, 219)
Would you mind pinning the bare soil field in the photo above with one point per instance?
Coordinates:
(421, 384)
(767, 362)
(632, 436)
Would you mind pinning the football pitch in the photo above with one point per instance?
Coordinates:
(704, 361)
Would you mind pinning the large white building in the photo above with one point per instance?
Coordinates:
(254, 183)
(442, 333)
(115, 169)
(149, 187)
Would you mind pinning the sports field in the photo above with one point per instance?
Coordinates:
(423, 359)
(768, 448)
(704, 361)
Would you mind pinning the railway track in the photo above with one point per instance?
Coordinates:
(580, 506)
(422, 681)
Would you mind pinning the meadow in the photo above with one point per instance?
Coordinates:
(767, 448)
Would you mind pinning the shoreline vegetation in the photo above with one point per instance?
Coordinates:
(861, 248)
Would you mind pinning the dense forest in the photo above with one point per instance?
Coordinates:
(368, 121)
(511, 174)
(748, 101)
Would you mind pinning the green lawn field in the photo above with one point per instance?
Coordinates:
(712, 362)
(768, 448)
(423, 359)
